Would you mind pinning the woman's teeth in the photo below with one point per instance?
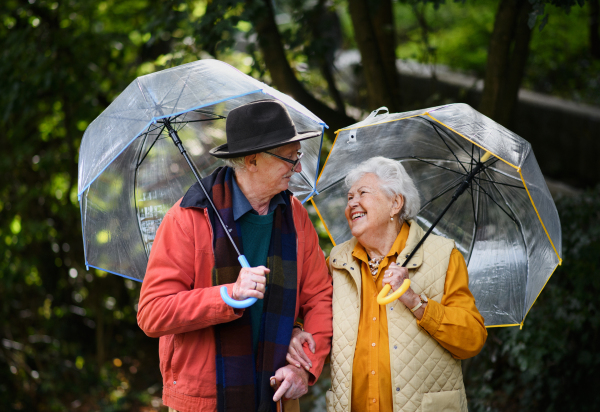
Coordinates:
(358, 216)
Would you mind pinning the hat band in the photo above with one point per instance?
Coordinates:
(261, 140)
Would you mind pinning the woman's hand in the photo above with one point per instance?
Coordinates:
(296, 355)
(395, 276)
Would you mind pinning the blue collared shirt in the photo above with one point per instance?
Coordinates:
(241, 205)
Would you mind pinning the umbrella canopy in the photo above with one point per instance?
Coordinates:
(131, 173)
(505, 224)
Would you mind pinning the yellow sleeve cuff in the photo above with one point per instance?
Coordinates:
(432, 317)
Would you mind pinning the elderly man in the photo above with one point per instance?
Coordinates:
(211, 355)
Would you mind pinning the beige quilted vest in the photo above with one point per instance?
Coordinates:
(425, 376)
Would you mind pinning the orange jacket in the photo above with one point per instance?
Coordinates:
(179, 304)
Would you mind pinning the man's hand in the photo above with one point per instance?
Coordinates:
(251, 283)
(293, 381)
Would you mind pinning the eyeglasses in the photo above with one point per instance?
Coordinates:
(294, 163)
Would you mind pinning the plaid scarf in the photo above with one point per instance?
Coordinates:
(243, 381)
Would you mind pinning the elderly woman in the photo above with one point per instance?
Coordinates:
(404, 356)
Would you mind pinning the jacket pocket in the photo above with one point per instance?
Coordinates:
(177, 354)
(165, 350)
(448, 401)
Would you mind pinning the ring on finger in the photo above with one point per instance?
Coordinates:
(255, 285)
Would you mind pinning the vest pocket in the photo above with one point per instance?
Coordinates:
(448, 401)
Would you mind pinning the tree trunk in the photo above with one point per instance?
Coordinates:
(508, 95)
(283, 77)
(507, 58)
(385, 32)
(595, 29)
(498, 56)
(326, 27)
(379, 90)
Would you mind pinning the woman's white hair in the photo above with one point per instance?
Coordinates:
(393, 180)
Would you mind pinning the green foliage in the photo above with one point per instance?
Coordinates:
(68, 336)
(457, 35)
(569, 72)
(551, 363)
(432, 35)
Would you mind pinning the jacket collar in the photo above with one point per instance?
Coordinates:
(344, 260)
(195, 196)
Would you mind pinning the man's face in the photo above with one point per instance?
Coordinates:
(274, 174)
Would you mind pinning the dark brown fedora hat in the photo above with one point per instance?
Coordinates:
(258, 126)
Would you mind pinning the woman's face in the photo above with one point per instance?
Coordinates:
(369, 209)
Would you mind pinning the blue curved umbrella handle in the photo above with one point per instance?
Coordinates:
(238, 304)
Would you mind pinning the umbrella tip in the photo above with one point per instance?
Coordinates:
(485, 157)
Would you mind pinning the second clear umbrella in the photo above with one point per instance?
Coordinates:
(505, 224)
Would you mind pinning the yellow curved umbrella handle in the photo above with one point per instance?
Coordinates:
(384, 300)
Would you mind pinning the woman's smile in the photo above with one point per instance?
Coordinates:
(358, 215)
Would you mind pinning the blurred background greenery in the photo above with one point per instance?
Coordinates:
(69, 338)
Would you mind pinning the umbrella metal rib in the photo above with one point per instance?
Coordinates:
(494, 200)
(435, 127)
(503, 196)
(452, 185)
(436, 165)
(139, 163)
(463, 174)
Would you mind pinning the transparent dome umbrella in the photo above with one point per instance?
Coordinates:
(505, 223)
(131, 172)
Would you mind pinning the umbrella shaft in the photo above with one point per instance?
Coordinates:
(179, 144)
(459, 191)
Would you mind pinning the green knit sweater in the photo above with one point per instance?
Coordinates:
(256, 238)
